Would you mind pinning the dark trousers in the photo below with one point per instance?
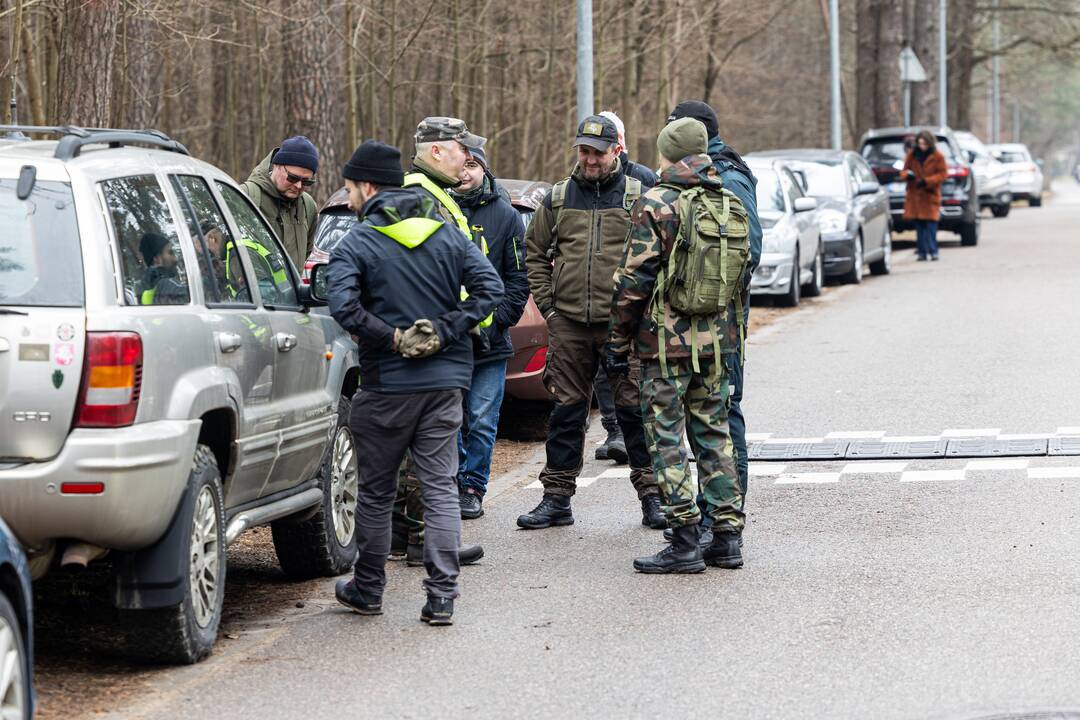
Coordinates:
(606, 400)
(573, 358)
(384, 427)
(926, 238)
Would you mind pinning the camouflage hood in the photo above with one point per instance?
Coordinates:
(691, 171)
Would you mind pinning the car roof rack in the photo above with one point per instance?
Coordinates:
(73, 138)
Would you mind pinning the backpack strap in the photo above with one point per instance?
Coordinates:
(631, 192)
(558, 199)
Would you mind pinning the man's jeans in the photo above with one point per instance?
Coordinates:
(476, 440)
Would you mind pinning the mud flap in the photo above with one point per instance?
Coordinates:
(154, 577)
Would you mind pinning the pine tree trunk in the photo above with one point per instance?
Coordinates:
(86, 61)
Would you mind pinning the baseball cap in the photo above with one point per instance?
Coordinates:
(438, 129)
(597, 132)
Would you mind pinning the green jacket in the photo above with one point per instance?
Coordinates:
(634, 317)
(292, 220)
(572, 251)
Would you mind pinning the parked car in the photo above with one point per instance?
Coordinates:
(792, 258)
(885, 149)
(853, 209)
(1025, 175)
(149, 415)
(17, 699)
(524, 371)
(991, 175)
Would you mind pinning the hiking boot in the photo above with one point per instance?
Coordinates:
(651, 513)
(614, 448)
(704, 536)
(360, 602)
(682, 556)
(438, 611)
(724, 551)
(472, 504)
(467, 554)
(552, 510)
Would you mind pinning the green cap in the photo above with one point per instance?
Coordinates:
(682, 137)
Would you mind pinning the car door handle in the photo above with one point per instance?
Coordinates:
(228, 341)
(285, 342)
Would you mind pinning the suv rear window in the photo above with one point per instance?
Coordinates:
(40, 252)
(331, 228)
(890, 150)
(1012, 156)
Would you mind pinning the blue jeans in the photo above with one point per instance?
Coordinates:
(926, 238)
(476, 440)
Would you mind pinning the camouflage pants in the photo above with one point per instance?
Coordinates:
(408, 505)
(683, 401)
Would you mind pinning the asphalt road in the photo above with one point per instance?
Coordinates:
(866, 593)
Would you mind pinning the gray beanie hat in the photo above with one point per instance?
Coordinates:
(682, 137)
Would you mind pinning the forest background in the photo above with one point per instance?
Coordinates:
(231, 78)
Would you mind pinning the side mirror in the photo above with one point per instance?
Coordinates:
(868, 188)
(805, 204)
(318, 289)
(970, 155)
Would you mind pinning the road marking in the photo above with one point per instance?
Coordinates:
(856, 435)
(1031, 436)
(584, 482)
(1046, 473)
(910, 438)
(1075, 430)
(873, 468)
(615, 472)
(808, 477)
(931, 475)
(793, 441)
(535, 485)
(757, 437)
(970, 432)
(765, 469)
(998, 464)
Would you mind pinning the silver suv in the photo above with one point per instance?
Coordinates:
(164, 384)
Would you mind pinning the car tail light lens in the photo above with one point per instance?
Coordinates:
(82, 488)
(537, 361)
(959, 172)
(112, 379)
(306, 276)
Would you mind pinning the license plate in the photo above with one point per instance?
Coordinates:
(897, 187)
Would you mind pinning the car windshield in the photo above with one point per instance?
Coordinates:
(40, 253)
(823, 179)
(770, 196)
(331, 228)
(890, 151)
(1012, 156)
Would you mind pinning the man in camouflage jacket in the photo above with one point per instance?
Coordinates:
(674, 397)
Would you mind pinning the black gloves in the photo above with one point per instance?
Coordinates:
(616, 363)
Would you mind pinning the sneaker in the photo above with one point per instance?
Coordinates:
(467, 554)
(438, 611)
(472, 504)
(552, 510)
(360, 602)
(725, 550)
(921, 258)
(652, 515)
(683, 555)
(935, 258)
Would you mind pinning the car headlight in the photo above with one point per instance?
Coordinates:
(770, 243)
(832, 222)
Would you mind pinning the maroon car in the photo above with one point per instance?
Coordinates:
(524, 371)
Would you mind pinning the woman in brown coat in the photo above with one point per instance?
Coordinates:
(925, 171)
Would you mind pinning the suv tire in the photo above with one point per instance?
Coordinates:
(1001, 211)
(794, 294)
(1035, 201)
(324, 544)
(969, 234)
(818, 279)
(854, 276)
(16, 692)
(185, 633)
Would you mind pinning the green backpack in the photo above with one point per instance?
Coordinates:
(704, 270)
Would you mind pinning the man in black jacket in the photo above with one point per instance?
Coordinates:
(496, 227)
(395, 283)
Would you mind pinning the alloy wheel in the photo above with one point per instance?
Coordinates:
(12, 693)
(887, 248)
(205, 565)
(343, 486)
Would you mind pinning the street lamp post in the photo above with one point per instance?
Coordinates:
(943, 64)
(834, 62)
(584, 59)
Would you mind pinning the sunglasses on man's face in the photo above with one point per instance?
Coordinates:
(293, 179)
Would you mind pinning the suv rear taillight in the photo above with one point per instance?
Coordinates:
(959, 172)
(306, 275)
(111, 381)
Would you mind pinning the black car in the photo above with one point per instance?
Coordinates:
(853, 209)
(17, 698)
(885, 149)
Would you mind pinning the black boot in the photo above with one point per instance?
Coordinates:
(682, 556)
(704, 536)
(552, 510)
(438, 611)
(724, 551)
(651, 513)
(467, 554)
(360, 602)
(399, 542)
(614, 448)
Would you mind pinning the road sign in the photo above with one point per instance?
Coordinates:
(911, 70)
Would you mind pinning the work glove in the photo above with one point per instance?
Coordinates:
(616, 363)
(419, 341)
(921, 183)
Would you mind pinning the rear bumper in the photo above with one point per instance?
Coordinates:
(1000, 199)
(144, 469)
(839, 256)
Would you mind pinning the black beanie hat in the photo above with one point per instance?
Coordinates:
(699, 111)
(375, 162)
(150, 244)
(299, 152)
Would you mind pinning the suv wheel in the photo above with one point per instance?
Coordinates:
(883, 265)
(185, 633)
(793, 295)
(1035, 201)
(1001, 211)
(855, 274)
(814, 288)
(324, 543)
(969, 234)
(15, 690)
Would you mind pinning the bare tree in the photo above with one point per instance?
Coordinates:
(86, 61)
